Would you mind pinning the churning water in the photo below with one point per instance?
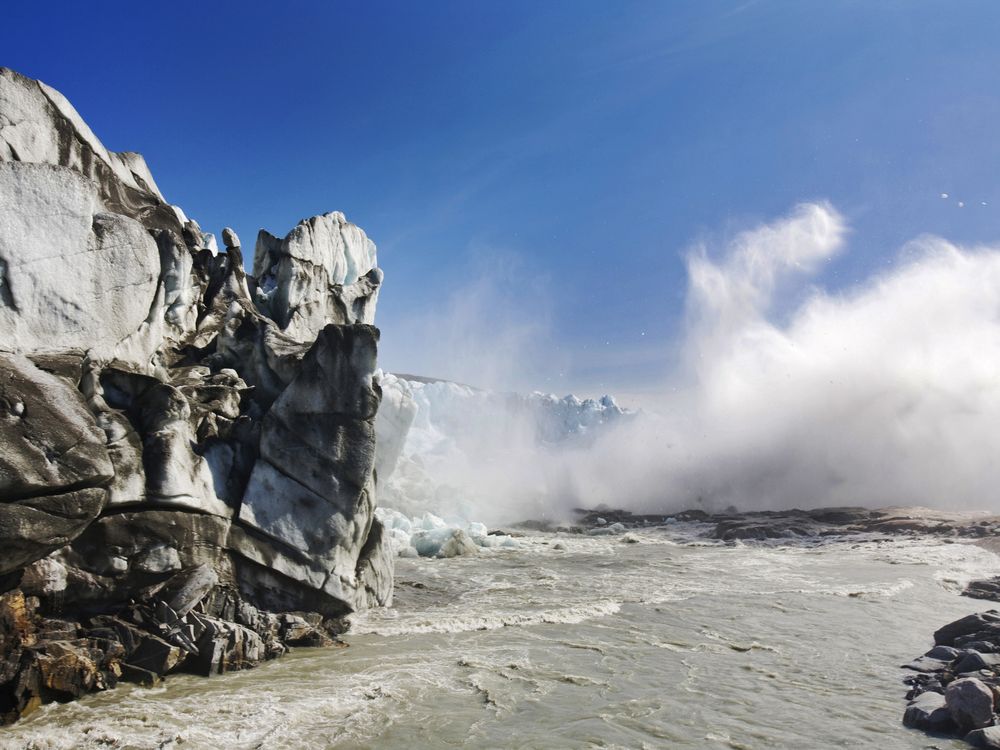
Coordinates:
(574, 641)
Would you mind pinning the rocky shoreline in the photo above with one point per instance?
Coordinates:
(955, 687)
(179, 628)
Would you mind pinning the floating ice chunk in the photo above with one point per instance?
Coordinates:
(428, 542)
(393, 520)
(399, 529)
(494, 540)
(432, 536)
(458, 544)
(430, 522)
(615, 528)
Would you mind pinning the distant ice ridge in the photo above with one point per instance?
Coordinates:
(431, 536)
(470, 455)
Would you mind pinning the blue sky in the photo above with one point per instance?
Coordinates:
(535, 171)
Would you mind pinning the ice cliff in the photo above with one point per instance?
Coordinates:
(185, 448)
(451, 456)
(188, 458)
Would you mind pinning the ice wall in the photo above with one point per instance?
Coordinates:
(472, 455)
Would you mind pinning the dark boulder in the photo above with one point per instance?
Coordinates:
(973, 661)
(968, 625)
(970, 703)
(987, 738)
(928, 712)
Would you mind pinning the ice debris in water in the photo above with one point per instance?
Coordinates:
(615, 528)
(431, 536)
(464, 453)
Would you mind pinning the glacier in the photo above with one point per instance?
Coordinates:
(445, 453)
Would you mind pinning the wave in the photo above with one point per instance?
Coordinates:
(368, 624)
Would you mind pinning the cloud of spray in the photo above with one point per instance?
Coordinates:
(888, 393)
(470, 455)
(885, 394)
(491, 331)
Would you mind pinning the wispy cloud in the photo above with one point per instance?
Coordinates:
(493, 330)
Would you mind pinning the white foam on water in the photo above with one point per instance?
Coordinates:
(462, 623)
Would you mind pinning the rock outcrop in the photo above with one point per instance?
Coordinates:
(186, 451)
(954, 686)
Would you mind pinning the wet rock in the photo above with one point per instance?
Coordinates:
(842, 516)
(188, 588)
(966, 626)
(973, 661)
(925, 683)
(297, 630)
(139, 676)
(155, 654)
(927, 664)
(67, 669)
(234, 647)
(987, 738)
(44, 659)
(988, 588)
(729, 531)
(984, 640)
(774, 527)
(970, 703)
(928, 712)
